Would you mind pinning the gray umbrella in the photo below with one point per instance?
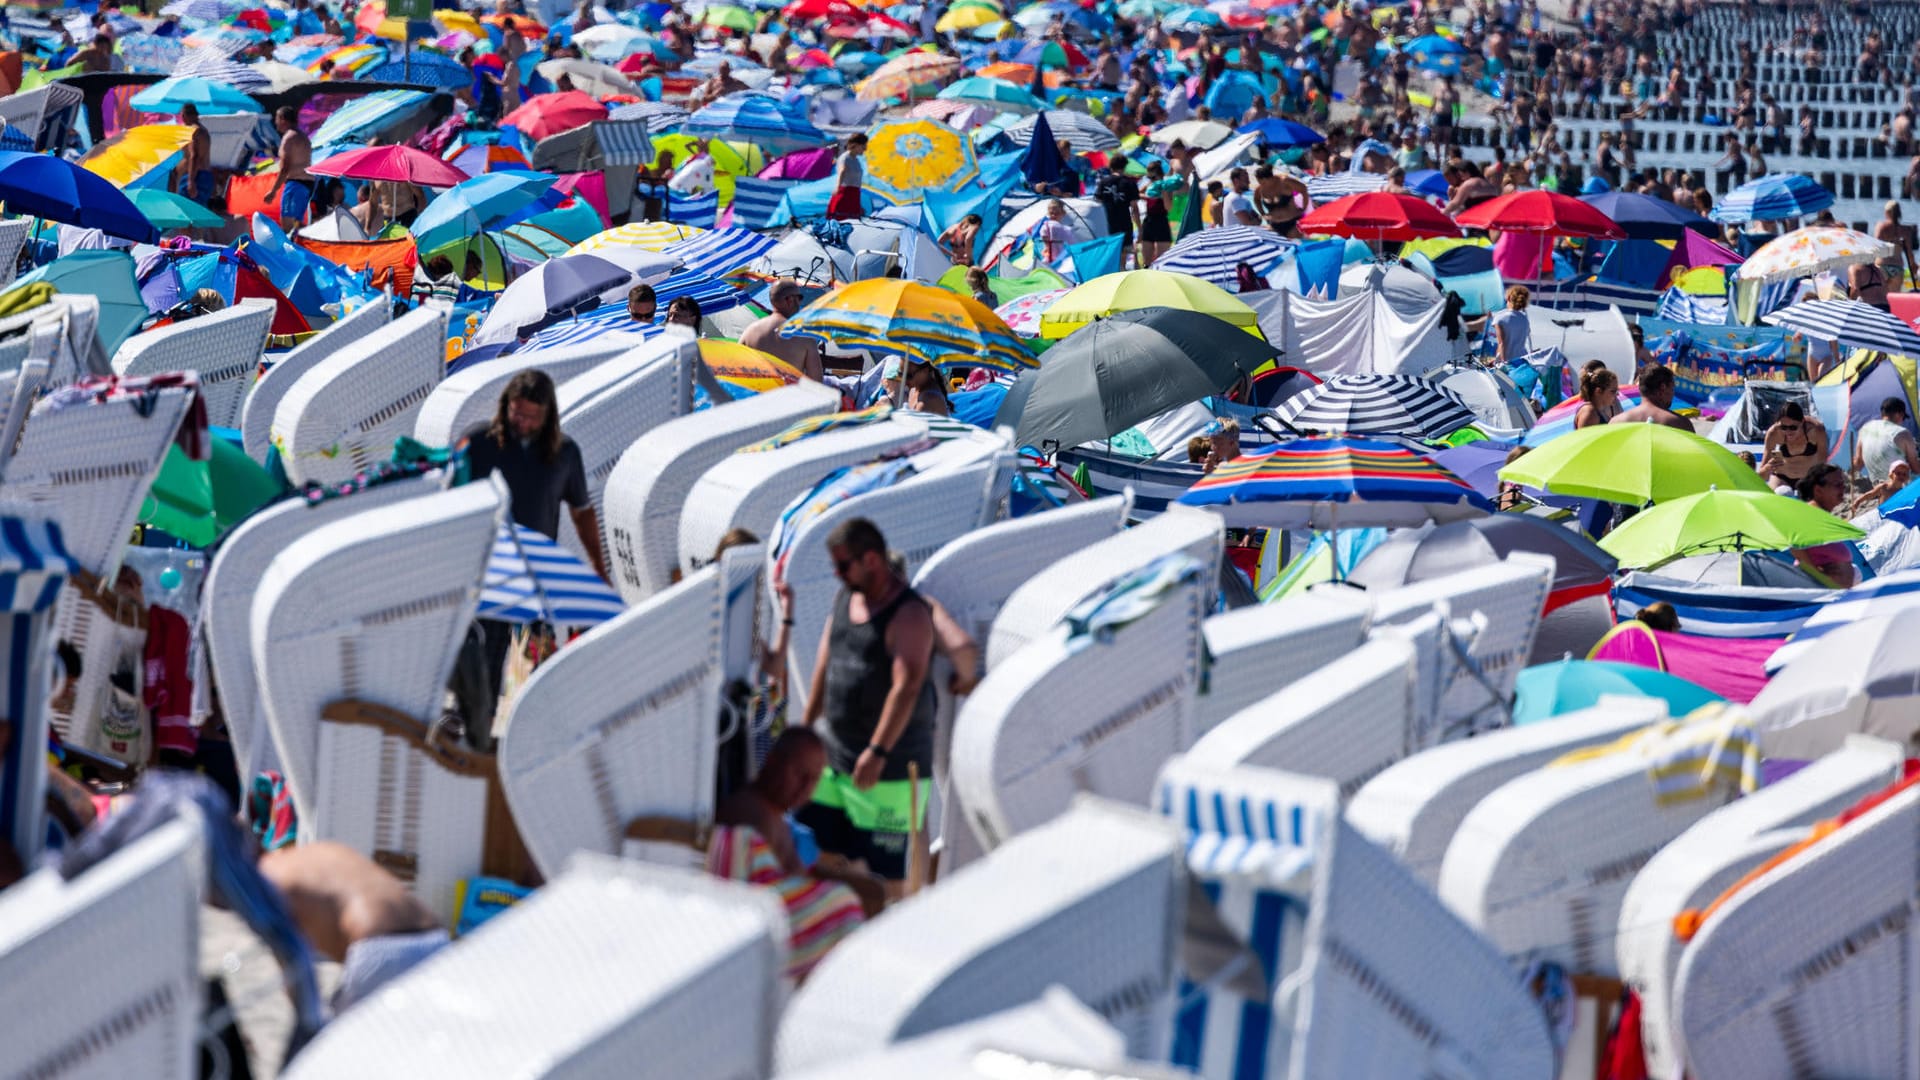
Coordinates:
(1115, 372)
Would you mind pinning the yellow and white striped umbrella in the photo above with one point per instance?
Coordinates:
(652, 235)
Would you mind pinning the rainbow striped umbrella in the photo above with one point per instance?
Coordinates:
(921, 322)
(1324, 483)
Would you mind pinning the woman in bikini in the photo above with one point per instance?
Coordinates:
(1795, 445)
(1599, 396)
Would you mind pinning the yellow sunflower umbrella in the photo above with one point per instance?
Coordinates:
(908, 158)
(1133, 289)
(920, 322)
(652, 235)
(747, 366)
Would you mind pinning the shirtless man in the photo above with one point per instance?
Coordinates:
(802, 353)
(785, 784)
(197, 167)
(351, 910)
(1656, 401)
(294, 187)
(97, 56)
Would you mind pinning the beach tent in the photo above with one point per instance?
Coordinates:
(1734, 668)
(1870, 378)
(1747, 420)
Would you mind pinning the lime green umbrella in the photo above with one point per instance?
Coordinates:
(1633, 464)
(170, 211)
(727, 17)
(1005, 289)
(1723, 521)
(197, 501)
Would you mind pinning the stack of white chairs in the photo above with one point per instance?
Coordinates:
(356, 626)
(1260, 649)
(256, 415)
(344, 413)
(611, 969)
(1091, 901)
(133, 921)
(471, 395)
(648, 488)
(222, 347)
(1313, 953)
(619, 725)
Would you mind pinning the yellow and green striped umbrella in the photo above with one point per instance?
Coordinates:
(920, 322)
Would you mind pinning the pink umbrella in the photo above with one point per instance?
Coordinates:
(591, 187)
(551, 114)
(394, 164)
(801, 165)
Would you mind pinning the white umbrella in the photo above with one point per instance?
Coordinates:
(609, 42)
(598, 80)
(1864, 678)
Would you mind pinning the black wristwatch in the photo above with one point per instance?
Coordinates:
(876, 748)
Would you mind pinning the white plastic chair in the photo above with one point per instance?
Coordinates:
(344, 413)
(222, 347)
(256, 415)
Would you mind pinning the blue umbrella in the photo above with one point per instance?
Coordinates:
(211, 98)
(1431, 182)
(1548, 690)
(48, 187)
(1216, 254)
(1647, 218)
(1282, 134)
(427, 69)
(1773, 198)
(1442, 56)
(473, 205)
(1234, 92)
(758, 119)
(1043, 163)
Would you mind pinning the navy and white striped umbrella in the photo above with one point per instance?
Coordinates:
(1325, 189)
(532, 579)
(721, 252)
(1851, 323)
(1082, 132)
(1377, 405)
(659, 116)
(1215, 254)
(208, 10)
(1774, 197)
(758, 119)
(215, 65)
(711, 295)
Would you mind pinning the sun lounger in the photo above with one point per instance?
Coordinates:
(1037, 606)
(222, 347)
(648, 488)
(1708, 858)
(1258, 650)
(256, 416)
(1053, 1031)
(132, 925)
(619, 725)
(471, 395)
(1323, 956)
(1090, 902)
(749, 490)
(345, 412)
(1808, 970)
(33, 565)
(226, 604)
(356, 626)
(613, 969)
(1345, 723)
(1414, 807)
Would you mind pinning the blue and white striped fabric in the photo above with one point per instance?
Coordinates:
(1774, 197)
(756, 201)
(533, 579)
(209, 10)
(1851, 323)
(1679, 306)
(363, 115)
(613, 319)
(216, 66)
(33, 565)
(1325, 189)
(699, 211)
(1214, 254)
(658, 116)
(1727, 611)
(1590, 294)
(1874, 599)
(623, 142)
(721, 252)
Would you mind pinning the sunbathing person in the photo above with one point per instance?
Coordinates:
(353, 911)
(785, 784)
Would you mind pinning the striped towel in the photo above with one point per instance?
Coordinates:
(756, 201)
(1687, 759)
(815, 425)
(819, 913)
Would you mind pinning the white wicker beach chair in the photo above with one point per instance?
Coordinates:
(345, 412)
(749, 490)
(20, 383)
(33, 565)
(46, 332)
(613, 969)
(1258, 650)
(226, 604)
(961, 486)
(615, 402)
(133, 920)
(1326, 957)
(1037, 606)
(619, 725)
(1542, 863)
(355, 628)
(13, 236)
(1809, 970)
(222, 347)
(1708, 858)
(17, 348)
(648, 488)
(256, 416)
(1054, 1030)
(1413, 807)
(1091, 901)
(471, 395)
(1096, 713)
(1345, 723)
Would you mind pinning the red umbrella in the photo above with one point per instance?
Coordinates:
(1379, 215)
(821, 9)
(395, 164)
(551, 114)
(1543, 212)
(873, 24)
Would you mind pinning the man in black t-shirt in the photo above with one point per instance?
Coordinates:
(1119, 195)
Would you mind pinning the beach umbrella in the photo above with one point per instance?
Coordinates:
(1053, 54)
(659, 116)
(1022, 313)
(608, 42)
(728, 17)
(108, 276)
(1082, 133)
(168, 210)
(1633, 464)
(1190, 18)
(593, 79)
(1723, 521)
(874, 25)
(814, 10)
(1581, 568)
(1545, 691)
(904, 75)
(1128, 290)
(1645, 217)
(908, 159)
(391, 164)
(1541, 212)
(960, 115)
(922, 322)
(472, 206)
(209, 97)
(1861, 678)
(1851, 323)
(423, 68)
(550, 114)
(1326, 189)
(1774, 197)
(1326, 483)
(1201, 134)
(52, 188)
(648, 235)
(1215, 254)
(1433, 53)
(746, 366)
(998, 94)
(1234, 92)
(1806, 252)
(198, 501)
(967, 17)
(1281, 134)
(722, 251)
(551, 291)
(1373, 404)
(1379, 216)
(756, 118)
(531, 578)
(1110, 375)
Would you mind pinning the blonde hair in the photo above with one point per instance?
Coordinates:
(1518, 297)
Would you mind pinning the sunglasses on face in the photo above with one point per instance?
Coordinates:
(1789, 427)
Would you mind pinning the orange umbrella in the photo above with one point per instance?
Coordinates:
(551, 114)
(529, 28)
(757, 371)
(1020, 74)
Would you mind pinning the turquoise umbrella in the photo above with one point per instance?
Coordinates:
(998, 94)
(107, 275)
(170, 211)
(1548, 690)
(471, 206)
(211, 98)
